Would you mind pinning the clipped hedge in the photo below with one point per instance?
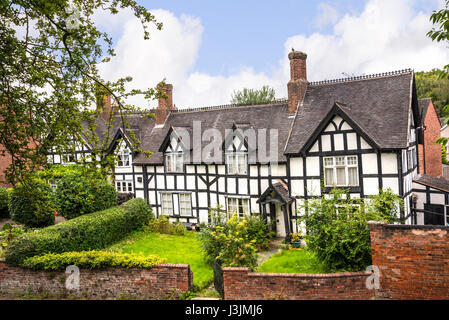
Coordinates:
(92, 260)
(31, 203)
(77, 194)
(89, 232)
(4, 212)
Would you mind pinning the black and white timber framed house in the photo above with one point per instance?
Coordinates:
(357, 133)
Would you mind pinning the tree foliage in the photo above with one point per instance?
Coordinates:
(430, 85)
(50, 53)
(440, 31)
(253, 96)
(337, 227)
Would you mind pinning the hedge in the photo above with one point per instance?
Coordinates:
(31, 203)
(93, 231)
(77, 194)
(4, 213)
(92, 260)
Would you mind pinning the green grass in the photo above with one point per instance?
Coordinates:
(176, 249)
(292, 261)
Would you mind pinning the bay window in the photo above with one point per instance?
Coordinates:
(341, 171)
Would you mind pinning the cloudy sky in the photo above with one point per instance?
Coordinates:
(207, 48)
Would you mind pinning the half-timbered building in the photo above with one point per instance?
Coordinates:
(359, 133)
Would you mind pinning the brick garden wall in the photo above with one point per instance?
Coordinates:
(239, 284)
(413, 261)
(159, 282)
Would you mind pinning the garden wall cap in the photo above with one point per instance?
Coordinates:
(377, 222)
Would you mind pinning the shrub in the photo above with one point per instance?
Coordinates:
(7, 234)
(229, 245)
(338, 232)
(257, 229)
(4, 213)
(77, 194)
(92, 260)
(163, 225)
(30, 203)
(89, 232)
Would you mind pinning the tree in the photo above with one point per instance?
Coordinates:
(429, 85)
(441, 32)
(253, 96)
(49, 57)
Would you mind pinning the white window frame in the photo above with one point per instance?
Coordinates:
(65, 158)
(119, 184)
(232, 163)
(176, 164)
(346, 166)
(167, 210)
(237, 203)
(185, 206)
(120, 162)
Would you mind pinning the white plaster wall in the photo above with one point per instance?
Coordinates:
(369, 163)
(389, 163)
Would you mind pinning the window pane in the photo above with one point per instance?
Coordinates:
(242, 163)
(353, 178)
(329, 177)
(341, 176)
(328, 161)
(352, 160)
(130, 186)
(167, 204)
(118, 186)
(340, 161)
(231, 164)
(185, 204)
(179, 162)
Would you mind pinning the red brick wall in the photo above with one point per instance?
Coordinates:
(413, 261)
(5, 161)
(241, 285)
(433, 165)
(159, 282)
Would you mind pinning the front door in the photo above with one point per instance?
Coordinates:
(280, 222)
(273, 217)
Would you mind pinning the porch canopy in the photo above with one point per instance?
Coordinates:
(277, 194)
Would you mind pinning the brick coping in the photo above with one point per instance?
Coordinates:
(299, 275)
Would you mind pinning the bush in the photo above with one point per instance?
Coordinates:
(77, 194)
(163, 225)
(89, 232)
(229, 245)
(337, 229)
(7, 234)
(30, 203)
(257, 229)
(4, 213)
(92, 260)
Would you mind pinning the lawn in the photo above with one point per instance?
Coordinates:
(177, 249)
(292, 261)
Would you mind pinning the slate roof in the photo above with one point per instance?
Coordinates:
(439, 183)
(271, 116)
(377, 105)
(380, 106)
(280, 188)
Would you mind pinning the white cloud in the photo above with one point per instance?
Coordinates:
(327, 14)
(387, 35)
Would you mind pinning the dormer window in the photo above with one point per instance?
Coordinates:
(124, 158)
(174, 161)
(237, 163)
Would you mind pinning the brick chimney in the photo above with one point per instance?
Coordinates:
(165, 105)
(297, 85)
(104, 106)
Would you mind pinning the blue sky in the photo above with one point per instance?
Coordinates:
(208, 49)
(250, 32)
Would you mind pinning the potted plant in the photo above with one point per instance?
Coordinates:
(295, 240)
